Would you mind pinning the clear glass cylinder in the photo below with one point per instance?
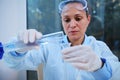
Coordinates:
(17, 45)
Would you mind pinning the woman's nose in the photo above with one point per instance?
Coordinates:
(72, 24)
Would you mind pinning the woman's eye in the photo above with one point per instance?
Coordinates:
(67, 20)
(77, 19)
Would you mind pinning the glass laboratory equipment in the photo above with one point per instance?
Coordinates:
(20, 46)
(77, 75)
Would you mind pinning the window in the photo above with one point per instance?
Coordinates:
(105, 23)
(42, 15)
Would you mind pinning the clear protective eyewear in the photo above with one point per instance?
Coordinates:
(64, 3)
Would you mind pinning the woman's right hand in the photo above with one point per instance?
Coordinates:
(29, 36)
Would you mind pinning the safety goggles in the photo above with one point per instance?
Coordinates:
(63, 3)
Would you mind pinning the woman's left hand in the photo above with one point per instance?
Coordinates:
(82, 57)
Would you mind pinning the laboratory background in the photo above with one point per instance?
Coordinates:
(18, 15)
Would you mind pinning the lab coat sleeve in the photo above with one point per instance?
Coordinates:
(27, 61)
(104, 73)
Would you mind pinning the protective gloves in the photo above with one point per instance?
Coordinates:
(27, 37)
(82, 57)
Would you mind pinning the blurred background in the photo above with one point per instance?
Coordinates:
(12, 20)
(17, 15)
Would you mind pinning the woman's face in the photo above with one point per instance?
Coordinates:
(74, 21)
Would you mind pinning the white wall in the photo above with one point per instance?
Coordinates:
(12, 18)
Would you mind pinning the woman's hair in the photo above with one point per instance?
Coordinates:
(64, 3)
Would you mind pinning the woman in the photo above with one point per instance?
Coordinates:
(92, 58)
